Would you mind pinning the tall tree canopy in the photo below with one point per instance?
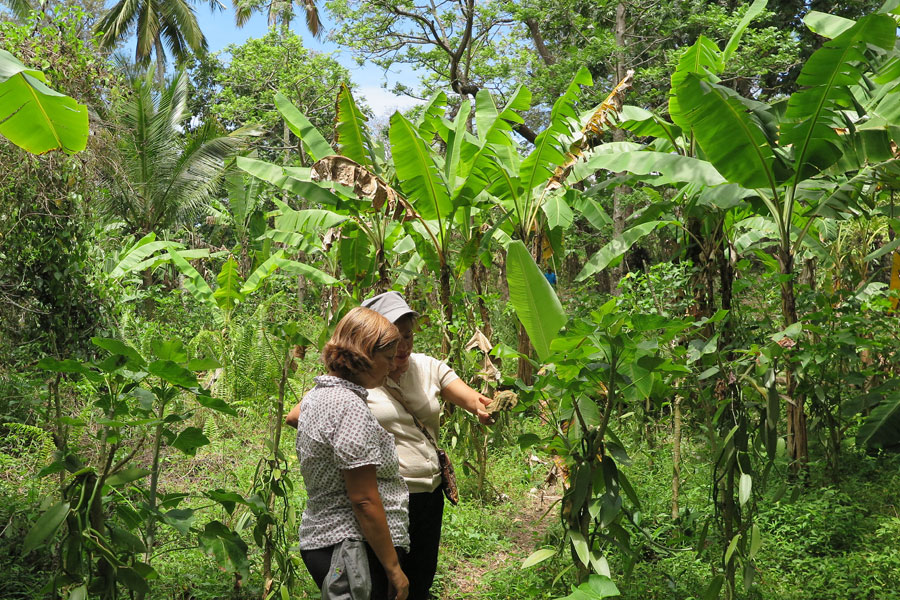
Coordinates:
(242, 90)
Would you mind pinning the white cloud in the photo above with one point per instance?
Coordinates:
(382, 102)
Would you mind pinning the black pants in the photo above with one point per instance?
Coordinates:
(426, 511)
(318, 562)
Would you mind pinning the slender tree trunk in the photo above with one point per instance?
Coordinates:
(278, 422)
(478, 273)
(447, 307)
(160, 63)
(620, 191)
(384, 279)
(797, 437)
(729, 518)
(524, 372)
(154, 482)
(676, 455)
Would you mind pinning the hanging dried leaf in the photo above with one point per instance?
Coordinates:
(480, 341)
(365, 184)
(488, 373)
(602, 119)
(329, 238)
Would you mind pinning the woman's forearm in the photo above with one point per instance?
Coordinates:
(466, 398)
(293, 417)
(373, 524)
(362, 491)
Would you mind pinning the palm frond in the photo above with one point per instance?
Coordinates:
(181, 19)
(313, 24)
(116, 23)
(20, 9)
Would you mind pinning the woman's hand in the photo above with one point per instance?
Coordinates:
(398, 584)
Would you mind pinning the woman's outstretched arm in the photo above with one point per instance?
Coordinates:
(465, 397)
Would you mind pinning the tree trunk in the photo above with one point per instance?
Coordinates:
(277, 424)
(620, 191)
(676, 455)
(160, 63)
(478, 273)
(538, 40)
(524, 371)
(729, 515)
(447, 307)
(797, 438)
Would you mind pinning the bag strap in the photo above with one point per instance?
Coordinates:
(398, 396)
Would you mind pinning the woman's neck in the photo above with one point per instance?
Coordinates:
(351, 379)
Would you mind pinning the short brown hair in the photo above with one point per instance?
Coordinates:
(358, 336)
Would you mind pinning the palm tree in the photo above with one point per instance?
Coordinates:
(161, 177)
(279, 11)
(154, 22)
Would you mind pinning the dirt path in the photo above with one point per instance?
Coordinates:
(526, 531)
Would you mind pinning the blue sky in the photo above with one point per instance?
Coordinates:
(221, 31)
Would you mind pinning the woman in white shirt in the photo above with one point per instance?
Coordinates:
(416, 386)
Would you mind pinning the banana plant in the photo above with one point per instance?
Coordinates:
(814, 155)
(35, 117)
(435, 192)
(243, 214)
(231, 289)
(791, 161)
(356, 215)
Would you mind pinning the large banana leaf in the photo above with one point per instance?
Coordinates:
(228, 294)
(551, 145)
(614, 250)
(881, 429)
(277, 176)
(730, 138)
(278, 261)
(813, 112)
(559, 214)
(827, 25)
(701, 58)
(429, 123)
(143, 248)
(351, 136)
(754, 11)
(197, 286)
(454, 166)
(667, 168)
(418, 172)
(306, 221)
(643, 123)
(35, 117)
(535, 302)
(494, 144)
(316, 145)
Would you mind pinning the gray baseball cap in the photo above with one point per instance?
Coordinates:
(390, 305)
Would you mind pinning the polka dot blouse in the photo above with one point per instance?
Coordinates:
(336, 432)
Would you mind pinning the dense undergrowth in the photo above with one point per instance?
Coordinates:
(820, 540)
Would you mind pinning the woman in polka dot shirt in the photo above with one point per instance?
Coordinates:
(349, 462)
